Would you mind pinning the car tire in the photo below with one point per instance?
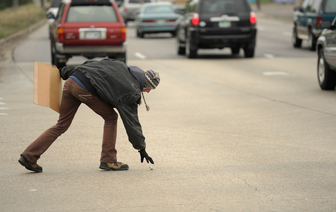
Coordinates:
(173, 34)
(249, 52)
(297, 42)
(52, 53)
(326, 77)
(312, 41)
(180, 50)
(139, 34)
(235, 51)
(190, 52)
(54, 59)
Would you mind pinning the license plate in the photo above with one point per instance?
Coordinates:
(224, 24)
(161, 21)
(92, 35)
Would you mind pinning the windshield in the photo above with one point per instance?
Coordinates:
(330, 6)
(158, 9)
(223, 6)
(92, 13)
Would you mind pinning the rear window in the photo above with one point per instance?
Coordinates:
(92, 13)
(224, 6)
(330, 6)
(55, 3)
(139, 1)
(158, 9)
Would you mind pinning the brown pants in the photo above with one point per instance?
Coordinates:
(73, 96)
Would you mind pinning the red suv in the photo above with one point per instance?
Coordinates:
(91, 28)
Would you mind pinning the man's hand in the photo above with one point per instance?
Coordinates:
(143, 154)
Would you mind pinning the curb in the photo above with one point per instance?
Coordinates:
(10, 39)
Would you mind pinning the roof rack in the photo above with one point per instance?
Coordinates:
(91, 2)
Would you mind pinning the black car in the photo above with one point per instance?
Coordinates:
(210, 24)
(307, 20)
(326, 63)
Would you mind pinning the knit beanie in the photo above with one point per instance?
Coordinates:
(152, 79)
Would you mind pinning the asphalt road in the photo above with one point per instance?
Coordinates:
(226, 134)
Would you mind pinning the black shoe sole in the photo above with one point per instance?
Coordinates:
(25, 163)
(112, 169)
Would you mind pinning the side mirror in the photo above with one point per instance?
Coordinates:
(50, 16)
(325, 24)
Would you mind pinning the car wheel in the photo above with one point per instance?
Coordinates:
(249, 52)
(295, 40)
(55, 60)
(180, 50)
(137, 33)
(52, 52)
(326, 77)
(312, 41)
(190, 52)
(235, 50)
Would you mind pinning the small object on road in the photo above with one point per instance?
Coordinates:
(151, 168)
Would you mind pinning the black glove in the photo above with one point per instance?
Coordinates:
(143, 154)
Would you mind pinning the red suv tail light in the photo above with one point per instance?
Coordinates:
(318, 21)
(195, 20)
(123, 34)
(60, 33)
(253, 18)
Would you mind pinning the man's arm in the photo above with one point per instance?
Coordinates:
(129, 115)
(67, 71)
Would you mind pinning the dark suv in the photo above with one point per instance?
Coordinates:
(209, 24)
(326, 63)
(87, 28)
(307, 20)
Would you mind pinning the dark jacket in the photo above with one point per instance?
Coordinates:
(118, 87)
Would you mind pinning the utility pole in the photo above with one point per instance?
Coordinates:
(15, 3)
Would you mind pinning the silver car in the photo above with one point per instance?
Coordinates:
(326, 49)
(130, 8)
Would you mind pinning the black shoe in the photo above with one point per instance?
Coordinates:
(32, 167)
(116, 166)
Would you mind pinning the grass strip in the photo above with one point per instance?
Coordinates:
(13, 20)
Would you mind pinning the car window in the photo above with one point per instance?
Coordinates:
(330, 6)
(55, 3)
(60, 12)
(315, 6)
(139, 1)
(158, 9)
(306, 5)
(92, 13)
(221, 7)
(191, 6)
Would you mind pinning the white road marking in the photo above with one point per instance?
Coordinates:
(288, 34)
(2, 103)
(139, 55)
(3, 114)
(276, 73)
(270, 56)
(3, 108)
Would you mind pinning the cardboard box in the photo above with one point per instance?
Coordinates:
(47, 86)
